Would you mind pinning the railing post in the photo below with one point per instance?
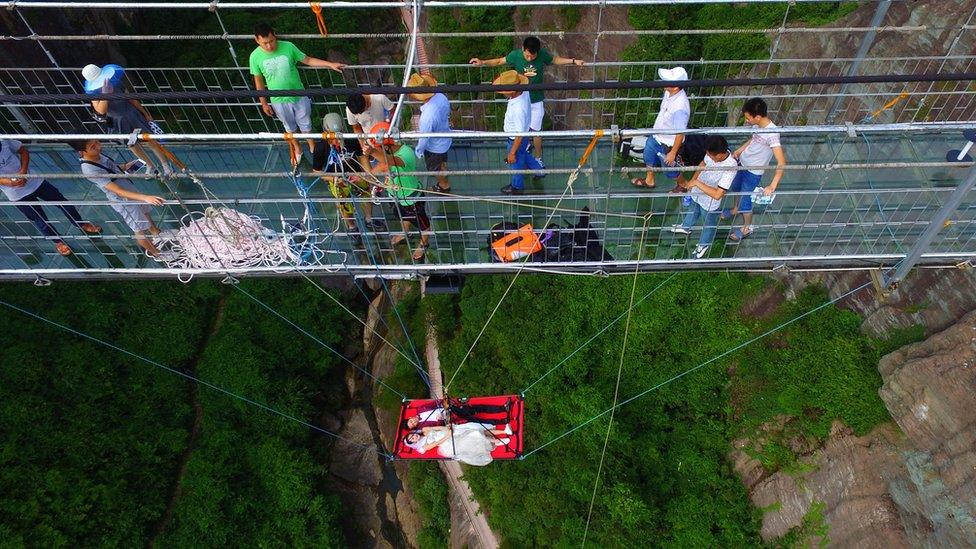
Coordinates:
(936, 224)
(866, 43)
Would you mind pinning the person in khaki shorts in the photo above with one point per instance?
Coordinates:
(435, 117)
(273, 65)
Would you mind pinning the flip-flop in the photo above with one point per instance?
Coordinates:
(738, 236)
(420, 250)
(726, 214)
(641, 182)
(398, 239)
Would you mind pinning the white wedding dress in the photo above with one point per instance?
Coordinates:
(472, 444)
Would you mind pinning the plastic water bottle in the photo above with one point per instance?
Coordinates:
(686, 202)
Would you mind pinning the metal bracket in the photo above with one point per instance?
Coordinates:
(851, 132)
(230, 280)
(782, 268)
(966, 265)
(615, 135)
(41, 282)
(882, 288)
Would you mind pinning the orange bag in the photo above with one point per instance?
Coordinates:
(516, 245)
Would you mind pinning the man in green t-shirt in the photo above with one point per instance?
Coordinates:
(399, 160)
(273, 65)
(531, 61)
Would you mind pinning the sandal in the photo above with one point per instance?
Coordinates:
(439, 189)
(63, 249)
(641, 182)
(738, 235)
(420, 251)
(90, 228)
(398, 239)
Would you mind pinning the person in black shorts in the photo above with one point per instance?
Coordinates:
(339, 160)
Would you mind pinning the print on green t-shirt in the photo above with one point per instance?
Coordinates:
(279, 69)
(533, 69)
(408, 184)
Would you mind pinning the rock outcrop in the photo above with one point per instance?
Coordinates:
(906, 485)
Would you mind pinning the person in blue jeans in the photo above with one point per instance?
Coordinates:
(518, 117)
(707, 188)
(28, 191)
(755, 154)
(662, 149)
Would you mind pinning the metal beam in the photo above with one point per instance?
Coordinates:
(879, 14)
(938, 222)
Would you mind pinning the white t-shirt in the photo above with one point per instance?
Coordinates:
(375, 113)
(437, 414)
(518, 113)
(714, 178)
(760, 149)
(10, 163)
(674, 115)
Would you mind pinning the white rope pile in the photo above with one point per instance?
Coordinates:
(220, 238)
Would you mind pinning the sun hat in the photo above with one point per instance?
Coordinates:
(333, 123)
(509, 78)
(95, 76)
(677, 74)
(381, 128)
(417, 79)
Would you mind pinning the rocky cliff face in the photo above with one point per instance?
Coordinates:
(907, 484)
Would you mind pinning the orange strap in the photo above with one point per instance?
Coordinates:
(890, 104)
(317, 10)
(589, 148)
(293, 148)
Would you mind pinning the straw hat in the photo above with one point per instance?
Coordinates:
(417, 79)
(677, 74)
(509, 78)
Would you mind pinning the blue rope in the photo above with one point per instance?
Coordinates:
(698, 367)
(317, 340)
(598, 334)
(193, 378)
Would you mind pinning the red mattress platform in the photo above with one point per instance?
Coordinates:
(514, 419)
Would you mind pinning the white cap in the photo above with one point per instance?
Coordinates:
(91, 72)
(676, 74)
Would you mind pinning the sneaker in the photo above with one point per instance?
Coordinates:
(374, 195)
(508, 189)
(540, 175)
(700, 251)
(166, 257)
(357, 239)
(679, 229)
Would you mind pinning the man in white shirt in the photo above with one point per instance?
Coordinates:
(707, 187)
(662, 149)
(754, 154)
(28, 191)
(518, 118)
(365, 111)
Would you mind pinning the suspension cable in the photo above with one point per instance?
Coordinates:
(193, 378)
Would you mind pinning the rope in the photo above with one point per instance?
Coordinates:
(525, 260)
(698, 367)
(599, 333)
(616, 389)
(486, 34)
(472, 88)
(319, 21)
(193, 378)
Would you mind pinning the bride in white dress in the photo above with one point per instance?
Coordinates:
(471, 443)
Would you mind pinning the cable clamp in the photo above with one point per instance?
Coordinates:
(12, 5)
(782, 268)
(850, 130)
(615, 134)
(966, 265)
(230, 280)
(41, 282)
(213, 8)
(133, 137)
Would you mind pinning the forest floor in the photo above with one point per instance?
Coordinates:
(191, 442)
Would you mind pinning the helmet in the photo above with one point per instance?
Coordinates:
(383, 128)
(333, 123)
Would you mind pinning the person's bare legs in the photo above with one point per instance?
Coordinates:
(442, 181)
(160, 154)
(146, 244)
(537, 147)
(406, 231)
(311, 147)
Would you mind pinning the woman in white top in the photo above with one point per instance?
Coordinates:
(470, 443)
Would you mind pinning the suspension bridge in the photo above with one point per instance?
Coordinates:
(878, 170)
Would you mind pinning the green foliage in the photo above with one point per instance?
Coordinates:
(666, 480)
(477, 19)
(571, 16)
(91, 436)
(813, 527)
(430, 491)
